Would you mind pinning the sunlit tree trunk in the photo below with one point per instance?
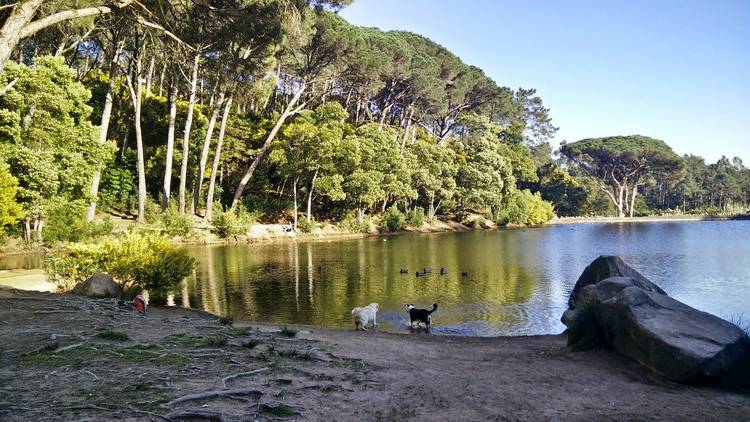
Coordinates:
(136, 93)
(294, 195)
(309, 197)
(198, 183)
(103, 129)
(167, 192)
(290, 109)
(217, 160)
(186, 135)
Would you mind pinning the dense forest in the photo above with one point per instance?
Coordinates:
(231, 111)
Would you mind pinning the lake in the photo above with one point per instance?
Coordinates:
(517, 282)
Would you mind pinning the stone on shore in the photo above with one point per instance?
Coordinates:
(99, 285)
(607, 266)
(635, 318)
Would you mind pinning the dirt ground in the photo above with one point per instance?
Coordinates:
(69, 358)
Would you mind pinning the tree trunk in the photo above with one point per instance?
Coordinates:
(167, 192)
(10, 34)
(309, 197)
(150, 76)
(217, 159)
(431, 210)
(294, 195)
(632, 200)
(288, 111)
(186, 135)
(103, 129)
(198, 182)
(136, 92)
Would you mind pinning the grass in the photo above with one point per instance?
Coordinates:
(87, 356)
(215, 341)
(238, 331)
(250, 344)
(280, 410)
(741, 321)
(288, 332)
(113, 335)
(226, 320)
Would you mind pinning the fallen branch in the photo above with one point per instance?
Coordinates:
(66, 348)
(205, 415)
(243, 374)
(217, 393)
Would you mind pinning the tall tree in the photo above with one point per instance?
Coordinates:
(620, 164)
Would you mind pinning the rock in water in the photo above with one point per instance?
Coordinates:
(98, 285)
(665, 335)
(605, 267)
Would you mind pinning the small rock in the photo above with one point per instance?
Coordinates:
(99, 286)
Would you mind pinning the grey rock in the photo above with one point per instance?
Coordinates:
(606, 267)
(666, 335)
(99, 285)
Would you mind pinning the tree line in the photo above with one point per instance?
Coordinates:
(280, 108)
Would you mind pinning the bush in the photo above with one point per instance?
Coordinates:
(305, 226)
(137, 262)
(353, 225)
(524, 207)
(415, 217)
(393, 220)
(226, 223)
(66, 222)
(175, 224)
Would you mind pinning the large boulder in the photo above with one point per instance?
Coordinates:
(100, 286)
(664, 334)
(606, 267)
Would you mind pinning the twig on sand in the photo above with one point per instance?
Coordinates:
(216, 393)
(152, 414)
(66, 348)
(243, 374)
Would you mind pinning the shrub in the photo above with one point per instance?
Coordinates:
(393, 220)
(288, 332)
(66, 222)
(353, 225)
(137, 262)
(415, 217)
(305, 226)
(175, 224)
(226, 223)
(524, 207)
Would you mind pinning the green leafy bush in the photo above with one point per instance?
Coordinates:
(66, 222)
(137, 262)
(226, 223)
(175, 224)
(524, 207)
(393, 220)
(415, 217)
(351, 224)
(305, 226)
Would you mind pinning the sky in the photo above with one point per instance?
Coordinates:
(675, 70)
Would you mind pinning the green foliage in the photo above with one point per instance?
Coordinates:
(305, 226)
(10, 210)
(393, 220)
(46, 136)
(113, 335)
(227, 223)
(352, 224)
(524, 207)
(415, 217)
(175, 224)
(67, 223)
(136, 262)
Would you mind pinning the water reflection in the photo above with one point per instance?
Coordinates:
(517, 280)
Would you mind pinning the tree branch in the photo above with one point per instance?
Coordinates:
(39, 24)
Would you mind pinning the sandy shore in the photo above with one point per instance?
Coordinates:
(69, 358)
(646, 219)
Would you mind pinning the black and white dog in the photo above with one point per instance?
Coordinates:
(420, 315)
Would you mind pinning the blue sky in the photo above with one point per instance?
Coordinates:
(674, 70)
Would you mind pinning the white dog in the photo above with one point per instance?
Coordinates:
(365, 315)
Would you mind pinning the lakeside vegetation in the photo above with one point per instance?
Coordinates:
(177, 114)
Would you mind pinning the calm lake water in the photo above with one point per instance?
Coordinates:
(518, 280)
